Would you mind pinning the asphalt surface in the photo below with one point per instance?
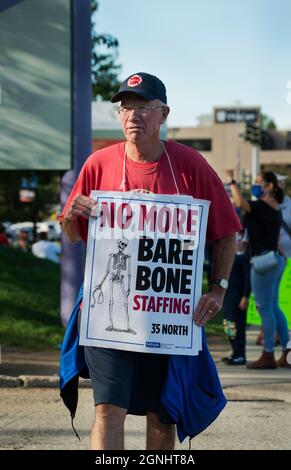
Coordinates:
(32, 416)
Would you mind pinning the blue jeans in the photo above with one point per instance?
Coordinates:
(266, 292)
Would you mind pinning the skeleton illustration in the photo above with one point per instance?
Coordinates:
(118, 264)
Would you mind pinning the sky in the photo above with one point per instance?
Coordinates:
(208, 53)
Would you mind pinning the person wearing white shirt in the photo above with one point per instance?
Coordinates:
(285, 232)
(45, 248)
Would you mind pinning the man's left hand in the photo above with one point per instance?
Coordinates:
(209, 305)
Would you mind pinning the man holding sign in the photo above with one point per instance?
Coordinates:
(128, 381)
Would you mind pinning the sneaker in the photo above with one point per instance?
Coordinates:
(226, 359)
(236, 361)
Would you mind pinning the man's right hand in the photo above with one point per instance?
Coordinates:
(81, 206)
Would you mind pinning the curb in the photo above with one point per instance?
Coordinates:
(36, 381)
(7, 381)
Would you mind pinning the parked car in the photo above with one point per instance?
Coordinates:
(14, 229)
(52, 228)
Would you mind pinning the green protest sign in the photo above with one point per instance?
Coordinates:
(253, 317)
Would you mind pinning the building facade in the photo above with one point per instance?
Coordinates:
(220, 138)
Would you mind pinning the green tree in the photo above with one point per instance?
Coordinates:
(48, 190)
(267, 122)
(104, 83)
(104, 69)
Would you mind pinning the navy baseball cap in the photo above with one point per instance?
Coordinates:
(143, 84)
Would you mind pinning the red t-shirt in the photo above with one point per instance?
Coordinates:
(103, 170)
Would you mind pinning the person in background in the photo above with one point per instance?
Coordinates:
(263, 219)
(284, 240)
(45, 248)
(236, 301)
(285, 232)
(22, 241)
(3, 237)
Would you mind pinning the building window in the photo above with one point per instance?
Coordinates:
(198, 144)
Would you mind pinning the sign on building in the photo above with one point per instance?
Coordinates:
(223, 116)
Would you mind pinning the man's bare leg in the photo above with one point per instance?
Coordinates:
(108, 428)
(159, 436)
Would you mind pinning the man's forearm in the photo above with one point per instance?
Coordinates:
(70, 229)
(239, 199)
(223, 254)
(211, 302)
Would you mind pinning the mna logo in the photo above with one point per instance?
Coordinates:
(152, 344)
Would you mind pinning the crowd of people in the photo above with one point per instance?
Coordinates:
(41, 248)
(262, 248)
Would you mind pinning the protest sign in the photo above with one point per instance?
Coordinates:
(143, 274)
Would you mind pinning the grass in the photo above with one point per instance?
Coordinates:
(29, 301)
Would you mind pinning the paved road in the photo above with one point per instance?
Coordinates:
(258, 414)
(36, 419)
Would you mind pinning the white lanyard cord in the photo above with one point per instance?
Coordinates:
(170, 165)
(172, 171)
(123, 175)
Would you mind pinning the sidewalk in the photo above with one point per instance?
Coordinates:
(40, 368)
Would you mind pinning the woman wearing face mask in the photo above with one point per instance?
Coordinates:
(263, 219)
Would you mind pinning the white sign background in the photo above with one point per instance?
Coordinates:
(153, 331)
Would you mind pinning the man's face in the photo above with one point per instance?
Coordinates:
(139, 127)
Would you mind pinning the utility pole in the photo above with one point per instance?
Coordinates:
(253, 135)
(237, 125)
(255, 161)
(72, 255)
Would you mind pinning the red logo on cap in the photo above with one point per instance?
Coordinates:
(135, 80)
